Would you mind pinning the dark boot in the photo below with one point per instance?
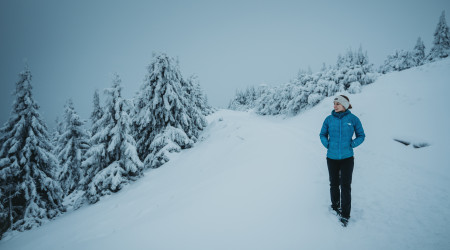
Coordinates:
(344, 221)
(336, 209)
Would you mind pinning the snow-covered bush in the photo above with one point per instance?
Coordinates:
(398, 61)
(355, 88)
(246, 99)
(314, 98)
(401, 60)
(350, 73)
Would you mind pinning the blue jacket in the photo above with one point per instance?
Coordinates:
(337, 132)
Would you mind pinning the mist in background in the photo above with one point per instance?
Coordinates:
(75, 47)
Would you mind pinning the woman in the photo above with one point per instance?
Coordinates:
(336, 135)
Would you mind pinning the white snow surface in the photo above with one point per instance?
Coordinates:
(257, 182)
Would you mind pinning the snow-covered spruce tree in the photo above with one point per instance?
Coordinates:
(441, 43)
(398, 61)
(31, 196)
(283, 99)
(418, 53)
(303, 77)
(351, 72)
(243, 100)
(293, 97)
(112, 160)
(309, 89)
(162, 123)
(194, 104)
(199, 97)
(72, 145)
(247, 99)
(354, 67)
(57, 131)
(267, 103)
(209, 109)
(290, 98)
(401, 60)
(3, 213)
(97, 113)
(299, 101)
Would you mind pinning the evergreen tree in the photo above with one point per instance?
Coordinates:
(441, 43)
(57, 131)
(3, 211)
(30, 193)
(401, 60)
(352, 67)
(418, 53)
(161, 113)
(96, 114)
(303, 77)
(199, 97)
(351, 72)
(362, 58)
(398, 61)
(72, 146)
(244, 100)
(324, 67)
(193, 98)
(112, 160)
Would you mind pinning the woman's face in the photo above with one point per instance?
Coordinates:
(338, 107)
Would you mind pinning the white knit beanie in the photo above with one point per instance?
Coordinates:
(340, 99)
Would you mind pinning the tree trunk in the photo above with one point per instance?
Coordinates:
(10, 207)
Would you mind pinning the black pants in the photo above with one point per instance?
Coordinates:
(340, 172)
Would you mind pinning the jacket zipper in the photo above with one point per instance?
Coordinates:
(340, 135)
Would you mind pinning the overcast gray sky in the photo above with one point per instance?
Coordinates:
(74, 47)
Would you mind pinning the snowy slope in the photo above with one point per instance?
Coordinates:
(262, 183)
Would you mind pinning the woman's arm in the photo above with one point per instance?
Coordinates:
(324, 133)
(359, 131)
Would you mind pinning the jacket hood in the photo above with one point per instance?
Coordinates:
(340, 114)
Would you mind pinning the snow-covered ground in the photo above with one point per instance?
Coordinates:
(262, 183)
